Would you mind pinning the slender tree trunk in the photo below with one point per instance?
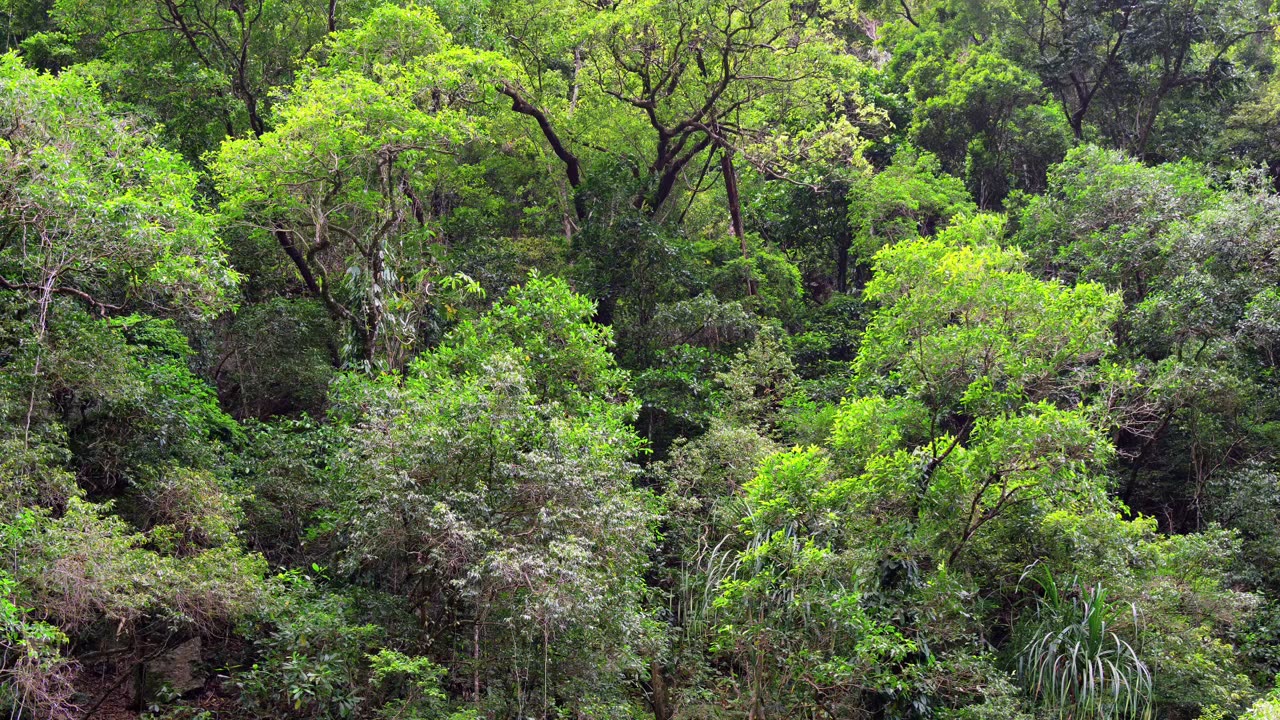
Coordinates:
(577, 69)
(373, 314)
(42, 324)
(844, 243)
(735, 210)
(658, 682)
(757, 673)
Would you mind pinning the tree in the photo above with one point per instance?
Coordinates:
(910, 198)
(691, 76)
(491, 487)
(360, 143)
(1119, 63)
(1105, 216)
(206, 67)
(986, 119)
(94, 210)
(100, 406)
(644, 101)
(1193, 264)
(963, 431)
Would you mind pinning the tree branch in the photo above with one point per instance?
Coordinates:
(572, 167)
(102, 307)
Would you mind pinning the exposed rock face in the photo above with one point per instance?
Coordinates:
(179, 668)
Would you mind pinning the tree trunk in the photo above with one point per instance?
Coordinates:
(735, 210)
(844, 243)
(658, 682)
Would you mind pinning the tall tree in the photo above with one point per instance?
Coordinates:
(359, 145)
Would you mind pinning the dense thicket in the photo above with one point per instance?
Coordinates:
(671, 359)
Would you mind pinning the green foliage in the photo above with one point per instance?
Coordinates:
(1105, 218)
(205, 69)
(1186, 256)
(86, 565)
(314, 661)
(988, 120)
(276, 358)
(757, 383)
(36, 676)
(795, 592)
(774, 282)
(911, 198)
(519, 419)
(313, 658)
(832, 539)
(119, 218)
(825, 342)
(1189, 615)
(548, 327)
(1264, 709)
(1076, 663)
(965, 325)
(364, 141)
(280, 286)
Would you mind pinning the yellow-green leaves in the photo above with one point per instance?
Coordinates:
(344, 181)
(786, 484)
(390, 36)
(965, 324)
(970, 413)
(97, 209)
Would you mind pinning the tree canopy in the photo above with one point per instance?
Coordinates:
(618, 359)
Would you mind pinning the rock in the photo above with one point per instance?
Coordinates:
(178, 668)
